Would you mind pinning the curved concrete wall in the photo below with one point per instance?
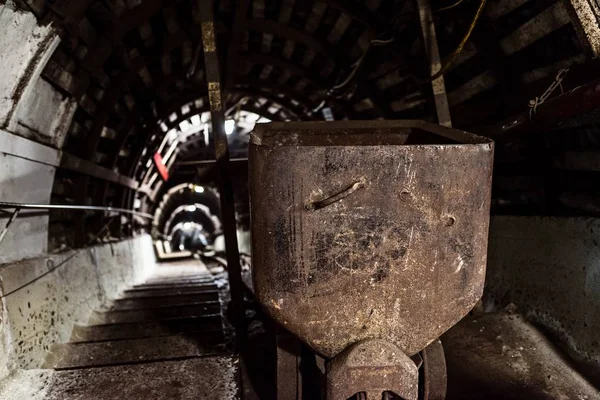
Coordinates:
(34, 119)
(31, 112)
(45, 311)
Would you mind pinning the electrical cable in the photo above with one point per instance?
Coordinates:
(69, 258)
(454, 54)
(380, 42)
(358, 63)
(352, 74)
(450, 60)
(194, 64)
(451, 6)
(319, 107)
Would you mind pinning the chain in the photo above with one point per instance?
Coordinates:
(533, 104)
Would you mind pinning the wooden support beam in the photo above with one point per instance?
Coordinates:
(586, 12)
(357, 12)
(289, 32)
(211, 61)
(275, 88)
(300, 110)
(432, 51)
(302, 72)
(72, 163)
(163, 110)
(237, 35)
(110, 98)
(554, 113)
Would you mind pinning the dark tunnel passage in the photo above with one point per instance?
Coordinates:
(126, 128)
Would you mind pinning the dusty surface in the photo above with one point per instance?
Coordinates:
(164, 301)
(144, 351)
(201, 378)
(549, 267)
(123, 316)
(146, 329)
(77, 355)
(154, 291)
(44, 313)
(501, 356)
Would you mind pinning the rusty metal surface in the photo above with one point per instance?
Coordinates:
(435, 376)
(400, 255)
(289, 386)
(372, 368)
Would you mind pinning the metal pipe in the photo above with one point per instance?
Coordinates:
(9, 223)
(29, 206)
(209, 162)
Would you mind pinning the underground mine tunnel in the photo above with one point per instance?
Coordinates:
(299, 199)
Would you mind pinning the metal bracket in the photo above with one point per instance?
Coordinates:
(372, 368)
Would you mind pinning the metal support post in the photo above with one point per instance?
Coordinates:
(432, 51)
(211, 62)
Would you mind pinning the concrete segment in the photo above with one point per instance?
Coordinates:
(44, 313)
(123, 316)
(146, 329)
(165, 301)
(175, 281)
(174, 286)
(208, 378)
(68, 356)
(166, 291)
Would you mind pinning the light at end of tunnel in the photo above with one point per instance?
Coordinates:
(187, 226)
(181, 247)
(229, 126)
(191, 208)
(198, 189)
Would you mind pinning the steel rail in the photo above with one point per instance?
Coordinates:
(31, 206)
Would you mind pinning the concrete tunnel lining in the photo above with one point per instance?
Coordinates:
(96, 83)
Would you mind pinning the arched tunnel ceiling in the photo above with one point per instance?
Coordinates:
(132, 65)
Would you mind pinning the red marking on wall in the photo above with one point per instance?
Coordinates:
(160, 165)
